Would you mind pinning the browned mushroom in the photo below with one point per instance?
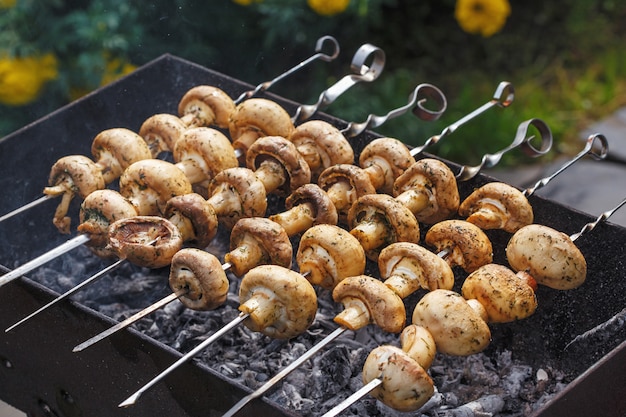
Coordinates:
(255, 118)
(97, 212)
(161, 131)
(205, 105)
(454, 325)
(150, 183)
(327, 254)
(344, 184)
(236, 193)
(307, 206)
(460, 243)
(322, 145)
(278, 164)
(71, 175)
(429, 189)
(255, 241)
(116, 149)
(549, 256)
(147, 241)
(407, 267)
(367, 300)
(194, 217)
(384, 159)
(377, 220)
(496, 205)
(504, 295)
(281, 303)
(202, 276)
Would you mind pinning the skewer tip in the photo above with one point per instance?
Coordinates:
(130, 400)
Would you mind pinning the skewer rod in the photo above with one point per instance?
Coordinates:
(26, 207)
(366, 389)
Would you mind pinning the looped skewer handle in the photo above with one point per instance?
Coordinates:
(319, 46)
(601, 218)
(502, 97)
(521, 140)
(364, 73)
(589, 149)
(420, 95)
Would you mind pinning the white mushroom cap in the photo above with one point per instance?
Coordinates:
(205, 105)
(385, 159)
(161, 131)
(344, 184)
(116, 149)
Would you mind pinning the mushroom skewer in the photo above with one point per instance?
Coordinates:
(274, 300)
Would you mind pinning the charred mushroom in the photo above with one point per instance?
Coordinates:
(281, 303)
(202, 277)
(344, 184)
(255, 241)
(307, 206)
(205, 105)
(327, 254)
(194, 217)
(384, 159)
(116, 149)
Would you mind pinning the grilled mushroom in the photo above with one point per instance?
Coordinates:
(205, 105)
(548, 255)
(384, 159)
(255, 118)
(367, 300)
(278, 164)
(322, 145)
(407, 267)
(496, 205)
(461, 243)
(116, 149)
(504, 295)
(71, 175)
(419, 344)
(161, 131)
(327, 254)
(255, 241)
(281, 303)
(97, 212)
(307, 206)
(455, 326)
(344, 184)
(194, 217)
(429, 189)
(236, 193)
(150, 183)
(147, 241)
(202, 276)
(378, 220)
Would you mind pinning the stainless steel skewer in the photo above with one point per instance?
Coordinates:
(357, 395)
(601, 218)
(26, 207)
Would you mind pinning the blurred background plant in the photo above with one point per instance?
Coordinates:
(566, 59)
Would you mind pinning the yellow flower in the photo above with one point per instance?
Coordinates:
(246, 2)
(7, 4)
(114, 69)
(484, 17)
(22, 78)
(328, 7)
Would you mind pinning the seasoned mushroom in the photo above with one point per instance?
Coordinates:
(406, 386)
(147, 241)
(548, 255)
(429, 189)
(460, 243)
(255, 241)
(201, 275)
(327, 254)
(377, 220)
(367, 300)
(194, 217)
(407, 267)
(504, 295)
(384, 159)
(205, 105)
(116, 149)
(307, 206)
(201, 153)
(161, 131)
(97, 212)
(150, 183)
(236, 193)
(281, 303)
(496, 205)
(455, 326)
(344, 184)
(419, 344)
(322, 145)
(255, 118)
(278, 164)
(71, 175)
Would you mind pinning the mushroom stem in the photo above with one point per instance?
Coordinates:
(340, 194)
(245, 256)
(400, 282)
(246, 140)
(488, 217)
(184, 226)
(311, 155)
(297, 219)
(355, 314)
(60, 220)
(271, 174)
(371, 234)
(262, 307)
(415, 200)
(378, 173)
(225, 201)
(194, 170)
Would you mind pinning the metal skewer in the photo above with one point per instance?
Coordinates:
(26, 207)
(357, 395)
(601, 218)
(502, 97)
